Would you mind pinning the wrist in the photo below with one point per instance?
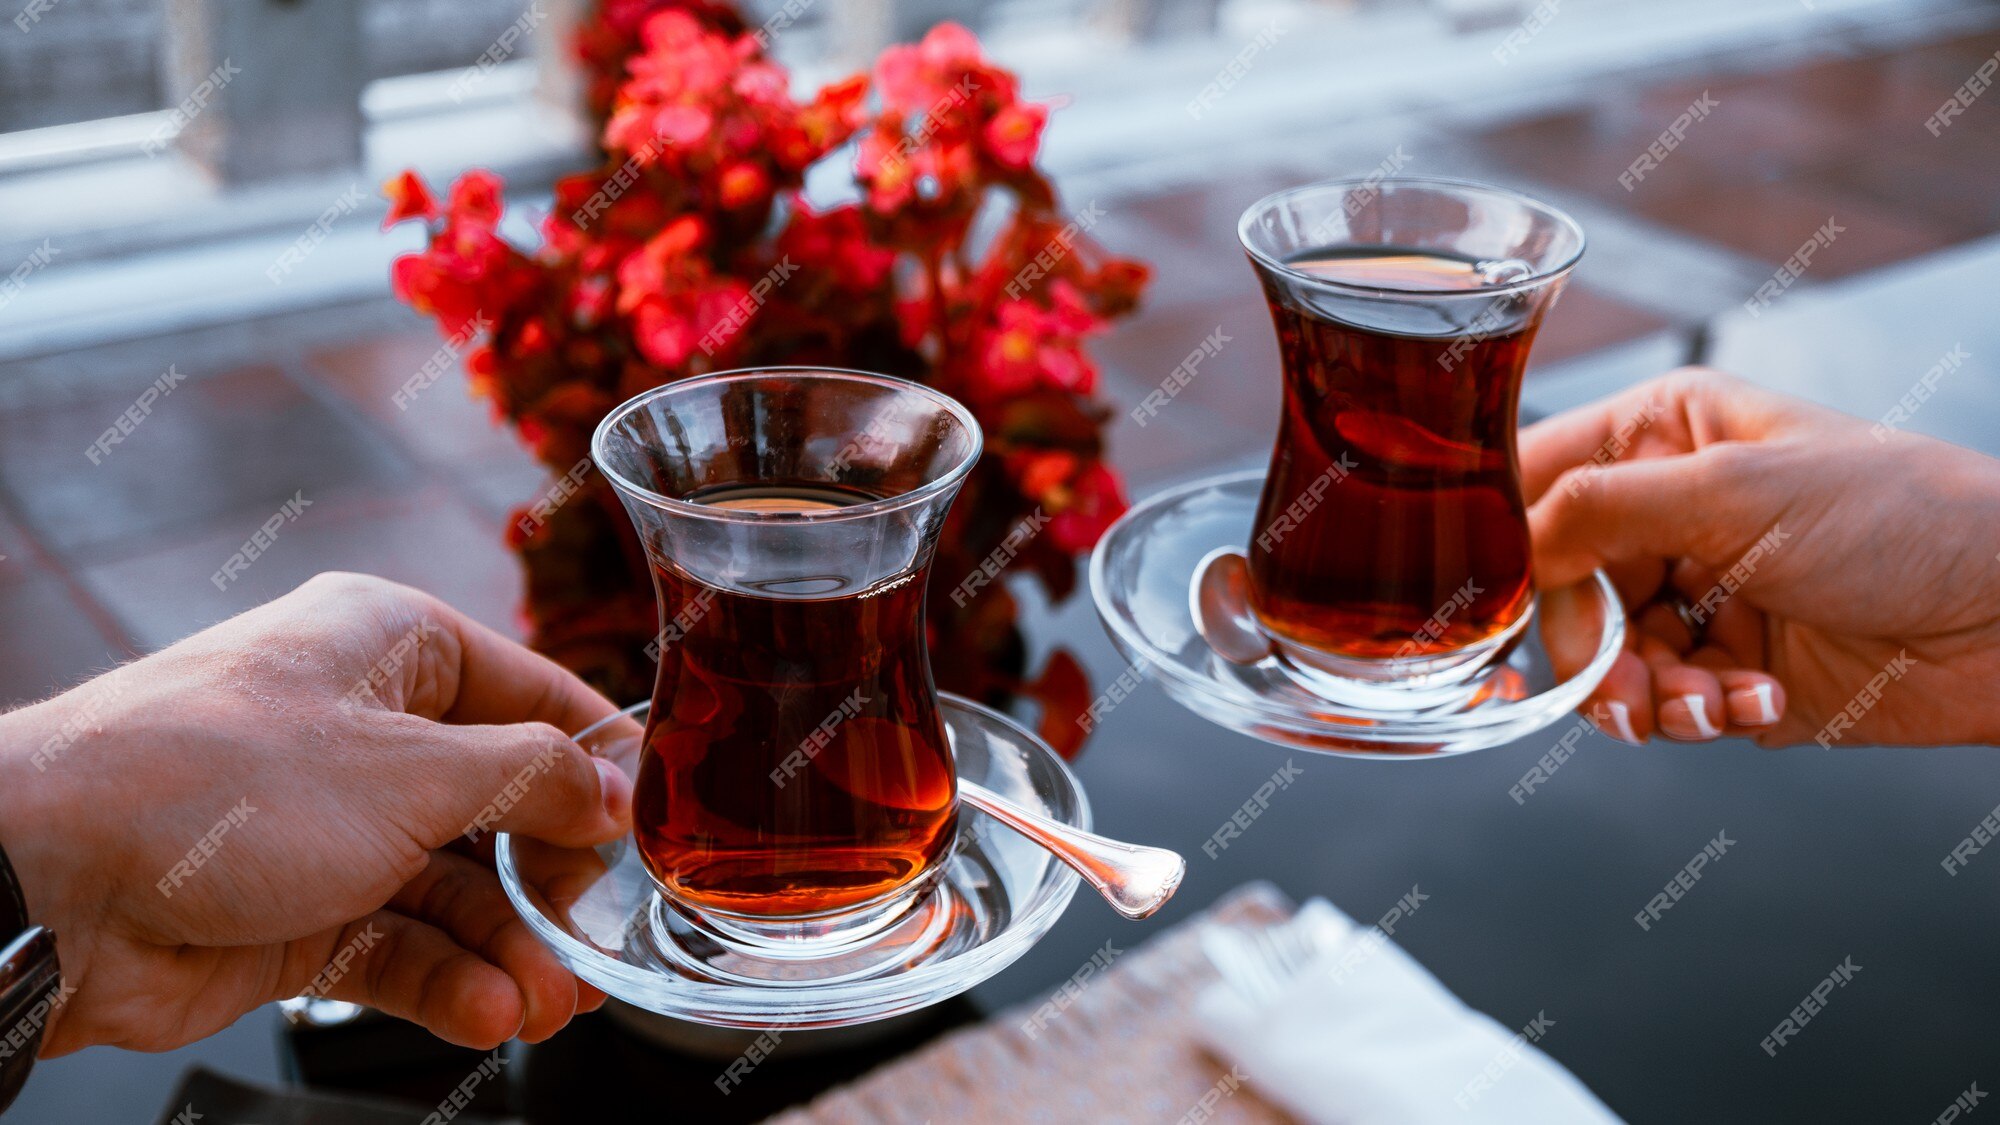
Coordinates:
(39, 815)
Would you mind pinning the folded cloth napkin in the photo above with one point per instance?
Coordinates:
(1358, 1033)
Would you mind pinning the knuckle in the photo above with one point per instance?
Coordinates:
(1698, 382)
(338, 583)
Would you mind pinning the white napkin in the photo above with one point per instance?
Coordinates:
(1367, 1036)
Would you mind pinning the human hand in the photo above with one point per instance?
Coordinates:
(1817, 558)
(208, 828)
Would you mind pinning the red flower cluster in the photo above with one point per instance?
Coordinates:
(690, 249)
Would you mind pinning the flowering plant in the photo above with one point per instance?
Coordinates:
(691, 248)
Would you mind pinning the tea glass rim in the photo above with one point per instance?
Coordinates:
(600, 438)
(1535, 280)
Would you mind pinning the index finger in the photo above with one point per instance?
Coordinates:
(502, 682)
(1597, 432)
(1679, 412)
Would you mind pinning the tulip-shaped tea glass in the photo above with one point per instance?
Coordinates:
(1371, 595)
(1391, 543)
(796, 792)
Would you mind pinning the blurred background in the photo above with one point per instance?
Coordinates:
(144, 229)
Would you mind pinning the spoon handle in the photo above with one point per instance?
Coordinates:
(1136, 880)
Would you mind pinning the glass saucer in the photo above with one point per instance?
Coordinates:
(1141, 575)
(598, 911)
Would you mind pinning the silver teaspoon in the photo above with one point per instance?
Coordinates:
(1136, 880)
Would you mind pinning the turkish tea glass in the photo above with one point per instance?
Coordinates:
(796, 792)
(1390, 549)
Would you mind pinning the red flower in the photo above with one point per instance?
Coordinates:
(1015, 133)
(1093, 502)
(688, 248)
(835, 244)
(475, 198)
(744, 185)
(408, 199)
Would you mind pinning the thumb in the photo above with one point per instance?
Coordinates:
(1634, 511)
(526, 778)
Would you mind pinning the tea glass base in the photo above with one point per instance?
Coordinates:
(836, 934)
(1146, 565)
(1400, 686)
(605, 919)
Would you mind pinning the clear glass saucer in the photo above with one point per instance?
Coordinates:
(598, 911)
(1141, 575)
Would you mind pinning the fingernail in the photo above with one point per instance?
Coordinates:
(1615, 719)
(1753, 706)
(1686, 718)
(615, 788)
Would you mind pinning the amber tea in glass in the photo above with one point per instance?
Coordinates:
(796, 782)
(1391, 543)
